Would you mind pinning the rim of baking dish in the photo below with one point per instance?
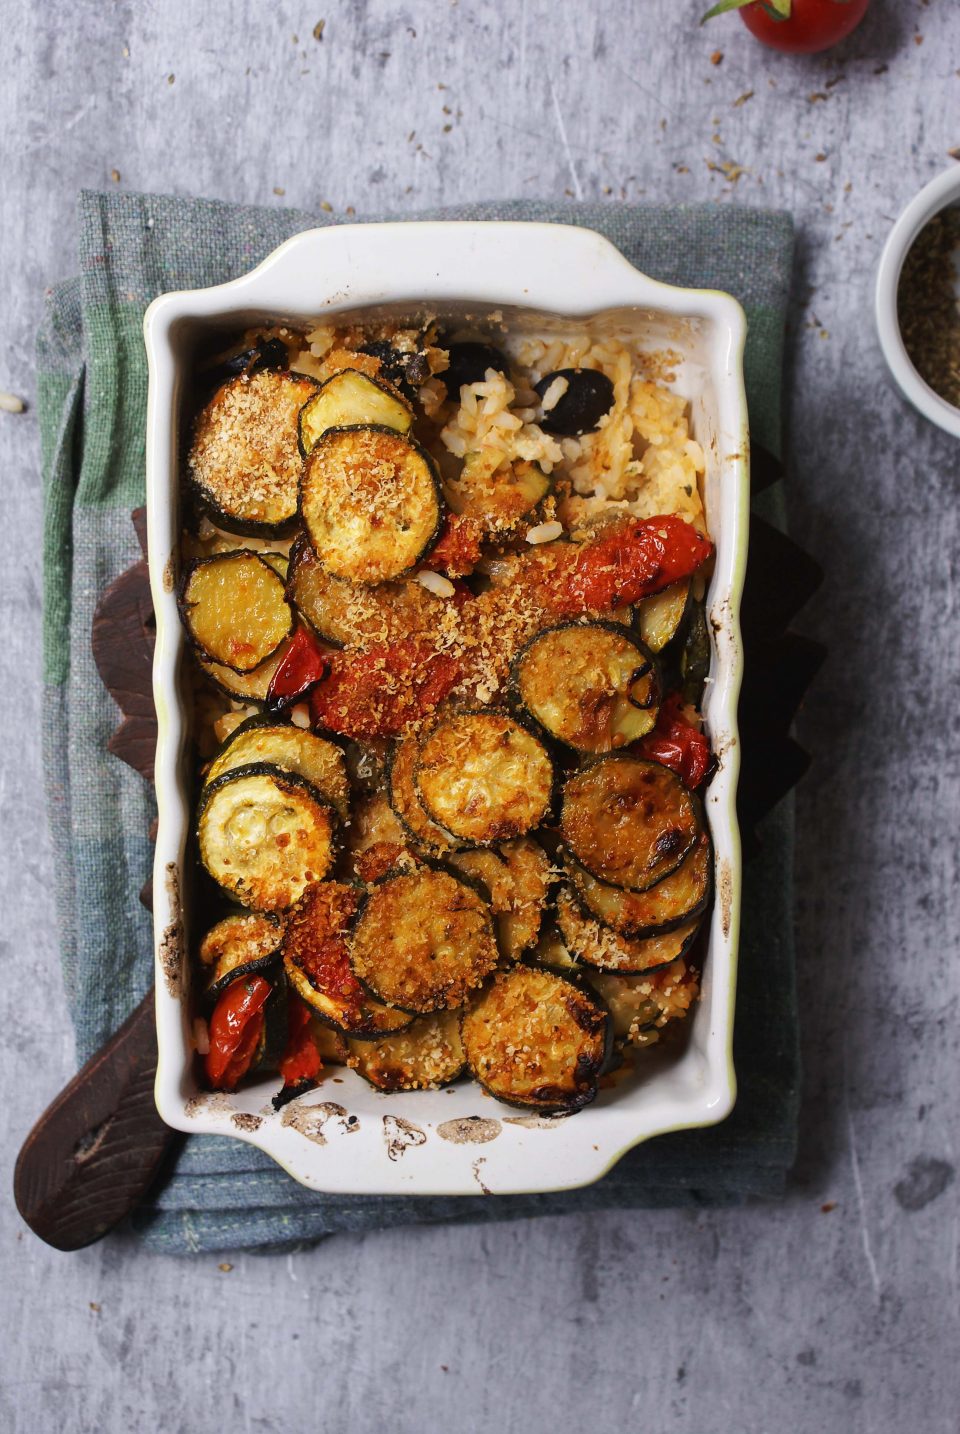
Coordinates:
(423, 263)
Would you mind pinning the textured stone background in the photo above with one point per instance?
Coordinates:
(834, 1310)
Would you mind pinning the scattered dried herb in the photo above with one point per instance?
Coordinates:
(927, 307)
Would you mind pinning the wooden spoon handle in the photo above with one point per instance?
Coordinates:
(93, 1153)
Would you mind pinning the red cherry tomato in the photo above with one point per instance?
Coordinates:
(812, 26)
(235, 1029)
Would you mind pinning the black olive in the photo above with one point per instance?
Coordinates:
(393, 364)
(268, 353)
(273, 354)
(588, 397)
(469, 363)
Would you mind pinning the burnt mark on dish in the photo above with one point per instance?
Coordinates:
(171, 945)
(400, 1134)
(469, 1130)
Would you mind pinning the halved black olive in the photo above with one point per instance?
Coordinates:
(589, 395)
(469, 363)
(266, 353)
(393, 364)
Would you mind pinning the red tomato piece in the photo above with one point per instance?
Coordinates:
(235, 1029)
(629, 562)
(458, 549)
(302, 666)
(301, 1060)
(677, 744)
(812, 25)
(380, 692)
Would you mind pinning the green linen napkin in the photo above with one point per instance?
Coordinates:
(92, 383)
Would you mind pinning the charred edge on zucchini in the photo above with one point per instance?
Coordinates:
(273, 1033)
(428, 1054)
(552, 952)
(244, 462)
(517, 878)
(640, 1006)
(536, 1040)
(279, 744)
(629, 822)
(317, 963)
(423, 941)
(695, 657)
(678, 898)
(497, 496)
(345, 614)
(251, 687)
(265, 835)
(405, 802)
(348, 399)
(597, 945)
(234, 609)
(484, 777)
(371, 503)
(239, 945)
(660, 617)
(592, 686)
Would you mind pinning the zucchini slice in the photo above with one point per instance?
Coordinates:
(427, 837)
(642, 1005)
(498, 497)
(292, 749)
(638, 914)
(371, 503)
(317, 963)
(552, 951)
(483, 777)
(596, 945)
(265, 835)
(234, 608)
(375, 839)
(244, 463)
(347, 399)
(344, 614)
(517, 876)
(429, 1053)
(273, 1033)
(659, 616)
(239, 945)
(536, 1040)
(423, 941)
(591, 685)
(629, 822)
(243, 686)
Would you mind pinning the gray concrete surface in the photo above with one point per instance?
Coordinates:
(835, 1310)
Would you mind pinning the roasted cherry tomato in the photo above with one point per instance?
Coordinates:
(235, 1030)
(301, 1060)
(379, 692)
(457, 550)
(678, 744)
(302, 666)
(797, 27)
(627, 562)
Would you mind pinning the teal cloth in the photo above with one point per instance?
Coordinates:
(222, 1194)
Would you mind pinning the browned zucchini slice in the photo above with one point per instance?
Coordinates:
(659, 617)
(483, 777)
(237, 946)
(517, 877)
(371, 503)
(234, 608)
(292, 749)
(534, 1039)
(317, 963)
(591, 685)
(429, 1053)
(629, 822)
(597, 945)
(642, 1005)
(497, 496)
(375, 839)
(423, 941)
(243, 686)
(244, 463)
(638, 914)
(426, 836)
(346, 614)
(265, 835)
(552, 951)
(347, 399)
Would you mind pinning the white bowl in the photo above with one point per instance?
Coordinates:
(938, 194)
(346, 1137)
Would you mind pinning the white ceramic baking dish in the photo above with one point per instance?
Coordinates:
(347, 1137)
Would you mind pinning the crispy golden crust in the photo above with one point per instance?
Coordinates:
(483, 777)
(370, 502)
(429, 1053)
(534, 1039)
(628, 822)
(648, 1002)
(676, 899)
(351, 397)
(597, 945)
(423, 941)
(244, 460)
(348, 614)
(234, 608)
(589, 685)
(293, 750)
(265, 836)
(517, 876)
(406, 803)
(239, 941)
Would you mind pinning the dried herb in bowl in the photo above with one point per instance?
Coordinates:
(928, 309)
